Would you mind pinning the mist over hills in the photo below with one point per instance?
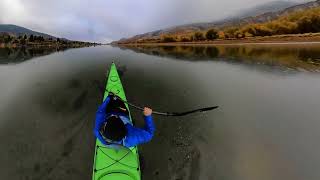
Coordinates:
(273, 6)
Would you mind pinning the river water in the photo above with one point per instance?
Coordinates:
(267, 126)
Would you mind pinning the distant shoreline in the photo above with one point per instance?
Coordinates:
(48, 45)
(310, 38)
(221, 44)
(8, 40)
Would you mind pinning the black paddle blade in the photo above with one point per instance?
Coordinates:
(208, 108)
(193, 111)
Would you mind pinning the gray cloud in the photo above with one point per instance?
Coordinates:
(106, 20)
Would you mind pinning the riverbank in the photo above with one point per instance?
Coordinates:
(70, 44)
(8, 40)
(276, 39)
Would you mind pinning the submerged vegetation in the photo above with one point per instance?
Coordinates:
(297, 22)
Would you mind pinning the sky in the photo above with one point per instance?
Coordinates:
(108, 20)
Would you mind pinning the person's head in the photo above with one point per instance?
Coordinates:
(114, 129)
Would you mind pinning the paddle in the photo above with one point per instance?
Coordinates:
(167, 113)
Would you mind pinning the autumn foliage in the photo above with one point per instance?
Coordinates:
(300, 22)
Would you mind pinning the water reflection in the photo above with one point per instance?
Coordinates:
(17, 55)
(267, 126)
(293, 56)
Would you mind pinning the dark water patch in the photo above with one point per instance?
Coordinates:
(156, 173)
(67, 148)
(122, 70)
(195, 165)
(188, 167)
(36, 168)
(79, 101)
(74, 83)
(100, 85)
(63, 97)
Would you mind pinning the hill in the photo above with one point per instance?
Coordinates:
(20, 31)
(186, 30)
(12, 36)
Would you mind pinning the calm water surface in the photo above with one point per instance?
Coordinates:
(267, 126)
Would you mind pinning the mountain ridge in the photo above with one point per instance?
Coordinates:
(264, 17)
(20, 31)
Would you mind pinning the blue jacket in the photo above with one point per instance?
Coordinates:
(134, 136)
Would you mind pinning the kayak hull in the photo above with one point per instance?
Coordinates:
(121, 163)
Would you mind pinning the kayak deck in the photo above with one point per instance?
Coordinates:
(115, 164)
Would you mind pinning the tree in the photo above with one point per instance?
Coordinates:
(198, 36)
(262, 30)
(212, 34)
(15, 41)
(7, 39)
(185, 39)
(238, 34)
(316, 23)
(25, 37)
(247, 34)
(304, 25)
(168, 39)
(31, 38)
(231, 32)
(39, 38)
(283, 27)
(22, 41)
(221, 35)
(250, 29)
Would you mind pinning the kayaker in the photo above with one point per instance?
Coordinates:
(113, 127)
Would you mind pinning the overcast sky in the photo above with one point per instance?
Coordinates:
(107, 20)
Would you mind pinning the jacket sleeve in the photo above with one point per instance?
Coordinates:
(141, 135)
(149, 125)
(100, 118)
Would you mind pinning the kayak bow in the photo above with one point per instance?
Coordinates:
(121, 163)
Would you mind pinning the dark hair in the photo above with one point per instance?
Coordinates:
(114, 129)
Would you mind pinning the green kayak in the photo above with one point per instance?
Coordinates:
(115, 164)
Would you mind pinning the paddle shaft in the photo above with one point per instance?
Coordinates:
(169, 113)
